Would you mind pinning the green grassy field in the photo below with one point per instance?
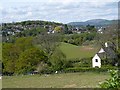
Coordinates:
(72, 51)
(66, 80)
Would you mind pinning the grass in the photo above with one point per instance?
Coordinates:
(72, 51)
(66, 80)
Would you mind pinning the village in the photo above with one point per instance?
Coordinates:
(59, 44)
(72, 35)
(17, 29)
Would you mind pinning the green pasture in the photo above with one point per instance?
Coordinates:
(65, 80)
(73, 51)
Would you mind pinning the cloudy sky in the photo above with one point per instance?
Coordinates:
(63, 11)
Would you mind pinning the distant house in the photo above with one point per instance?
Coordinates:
(50, 31)
(107, 52)
(96, 61)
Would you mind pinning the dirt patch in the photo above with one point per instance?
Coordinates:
(70, 86)
(87, 48)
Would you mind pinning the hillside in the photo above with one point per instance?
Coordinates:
(96, 22)
(72, 51)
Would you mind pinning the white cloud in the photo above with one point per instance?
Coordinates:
(62, 10)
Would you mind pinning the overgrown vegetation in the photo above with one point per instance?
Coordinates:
(79, 39)
(113, 82)
(34, 49)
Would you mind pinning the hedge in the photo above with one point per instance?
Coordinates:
(87, 69)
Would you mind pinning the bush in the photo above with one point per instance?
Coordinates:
(87, 69)
(49, 70)
(113, 82)
(84, 62)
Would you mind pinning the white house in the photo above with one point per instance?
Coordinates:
(96, 61)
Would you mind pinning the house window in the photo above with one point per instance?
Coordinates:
(96, 60)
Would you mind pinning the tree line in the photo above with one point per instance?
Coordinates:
(28, 54)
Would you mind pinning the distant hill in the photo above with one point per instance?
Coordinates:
(96, 22)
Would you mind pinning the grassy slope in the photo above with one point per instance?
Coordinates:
(68, 80)
(72, 51)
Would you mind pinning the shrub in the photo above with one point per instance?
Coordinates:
(84, 62)
(113, 82)
(87, 69)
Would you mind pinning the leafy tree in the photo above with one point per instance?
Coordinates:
(29, 60)
(58, 60)
(66, 29)
(12, 51)
(33, 31)
(91, 28)
(79, 39)
(24, 43)
(10, 55)
(58, 29)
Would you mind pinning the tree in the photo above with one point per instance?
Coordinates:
(110, 35)
(33, 31)
(47, 42)
(12, 51)
(58, 60)
(58, 29)
(91, 28)
(24, 43)
(66, 29)
(10, 55)
(29, 60)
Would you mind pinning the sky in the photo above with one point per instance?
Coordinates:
(63, 11)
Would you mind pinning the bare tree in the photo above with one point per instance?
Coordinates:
(48, 42)
(110, 35)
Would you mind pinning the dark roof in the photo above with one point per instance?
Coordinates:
(101, 55)
(109, 52)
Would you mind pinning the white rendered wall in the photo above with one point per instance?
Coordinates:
(94, 63)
